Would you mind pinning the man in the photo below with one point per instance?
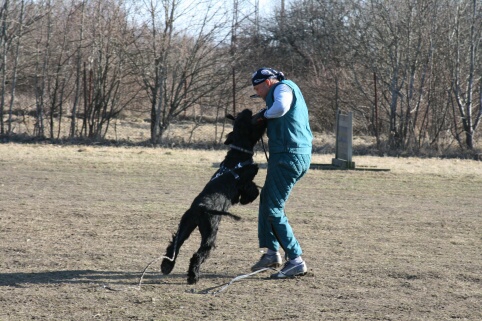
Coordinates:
(290, 140)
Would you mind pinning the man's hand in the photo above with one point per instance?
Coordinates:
(259, 118)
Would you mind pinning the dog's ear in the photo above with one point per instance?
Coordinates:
(229, 139)
(231, 117)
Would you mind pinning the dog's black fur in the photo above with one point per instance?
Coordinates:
(232, 183)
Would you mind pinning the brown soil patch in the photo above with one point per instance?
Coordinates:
(79, 224)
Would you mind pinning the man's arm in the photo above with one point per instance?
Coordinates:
(283, 97)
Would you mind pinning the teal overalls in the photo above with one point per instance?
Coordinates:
(290, 140)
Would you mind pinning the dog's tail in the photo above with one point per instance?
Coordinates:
(214, 212)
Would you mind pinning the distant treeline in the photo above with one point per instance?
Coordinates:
(410, 70)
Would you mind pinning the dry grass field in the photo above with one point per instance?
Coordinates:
(79, 224)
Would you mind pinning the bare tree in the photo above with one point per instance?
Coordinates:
(60, 72)
(467, 66)
(178, 67)
(42, 64)
(396, 42)
(109, 86)
(4, 45)
(8, 32)
(80, 9)
(13, 85)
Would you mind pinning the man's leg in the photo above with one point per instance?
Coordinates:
(285, 170)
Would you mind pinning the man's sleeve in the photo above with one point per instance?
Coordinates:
(283, 97)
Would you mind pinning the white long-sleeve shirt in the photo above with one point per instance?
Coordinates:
(283, 97)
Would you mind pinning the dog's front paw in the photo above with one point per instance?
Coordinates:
(249, 193)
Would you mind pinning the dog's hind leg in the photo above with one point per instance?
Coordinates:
(208, 230)
(186, 226)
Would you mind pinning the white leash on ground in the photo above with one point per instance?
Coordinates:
(239, 277)
(152, 262)
(160, 257)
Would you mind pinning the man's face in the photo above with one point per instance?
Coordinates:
(262, 89)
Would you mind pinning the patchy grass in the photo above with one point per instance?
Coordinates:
(79, 224)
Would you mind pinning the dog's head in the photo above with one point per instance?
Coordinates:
(244, 134)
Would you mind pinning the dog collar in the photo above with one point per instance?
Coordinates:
(241, 149)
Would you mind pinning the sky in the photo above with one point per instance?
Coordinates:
(266, 8)
(196, 9)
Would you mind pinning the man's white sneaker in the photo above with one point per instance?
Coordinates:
(290, 270)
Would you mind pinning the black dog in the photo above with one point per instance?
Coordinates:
(232, 183)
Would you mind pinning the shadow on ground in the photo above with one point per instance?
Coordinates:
(95, 277)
